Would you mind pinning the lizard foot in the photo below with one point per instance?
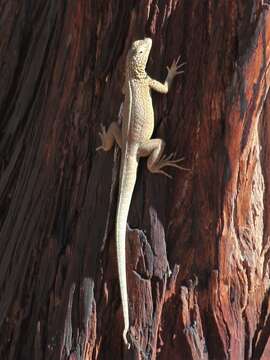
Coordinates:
(166, 161)
(105, 141)
(175, 68)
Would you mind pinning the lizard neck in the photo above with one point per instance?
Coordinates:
(135, 71)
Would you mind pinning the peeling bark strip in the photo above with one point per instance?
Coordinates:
(60, 64)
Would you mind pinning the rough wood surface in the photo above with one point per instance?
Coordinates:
(61, 74)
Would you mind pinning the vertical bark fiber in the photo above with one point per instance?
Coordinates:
(61, 74)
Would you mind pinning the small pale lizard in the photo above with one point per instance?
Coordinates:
(135, 141)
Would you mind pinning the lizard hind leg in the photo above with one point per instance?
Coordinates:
(109, 137)
(153, 149)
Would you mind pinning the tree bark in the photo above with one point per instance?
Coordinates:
(62, 71)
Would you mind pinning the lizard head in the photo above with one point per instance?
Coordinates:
(138, 56)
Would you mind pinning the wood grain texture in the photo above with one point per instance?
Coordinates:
(61, 75)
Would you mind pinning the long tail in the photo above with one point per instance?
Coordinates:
(127, 182)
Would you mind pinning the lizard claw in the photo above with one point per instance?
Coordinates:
(164, 173)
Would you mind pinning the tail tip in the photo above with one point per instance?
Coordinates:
(125, 338)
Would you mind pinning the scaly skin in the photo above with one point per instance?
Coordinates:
(135, 142)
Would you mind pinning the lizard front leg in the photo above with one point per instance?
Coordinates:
(173, 71)
(153, 149)
(109, 137)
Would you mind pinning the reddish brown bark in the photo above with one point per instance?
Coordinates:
(62, 70)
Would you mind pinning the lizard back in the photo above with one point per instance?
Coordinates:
(141, 124)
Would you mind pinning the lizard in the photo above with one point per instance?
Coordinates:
(135, 142)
